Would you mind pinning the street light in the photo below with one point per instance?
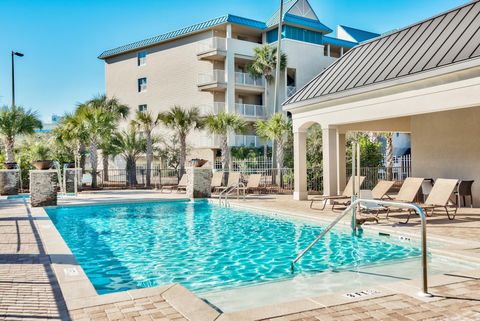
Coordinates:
(18, 54)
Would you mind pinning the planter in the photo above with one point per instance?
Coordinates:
(42, 165)
(12, 165)
(70, 165)
(196, 162)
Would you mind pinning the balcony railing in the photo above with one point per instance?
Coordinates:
(243, 78)
(248, 141)
(291, 90)
(214, 43)
(249, 110)
(211, 77)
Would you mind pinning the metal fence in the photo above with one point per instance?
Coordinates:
(374, 174)
(121, 178)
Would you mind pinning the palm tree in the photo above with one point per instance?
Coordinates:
(146, 122)
(71, 132)
(99, 124)
(277, 129)
(13, 123)
(119, 111)
(223, 124)
(131, 146)
(182, 121)
(265, 62)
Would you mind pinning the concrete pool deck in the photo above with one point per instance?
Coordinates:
(40, 279)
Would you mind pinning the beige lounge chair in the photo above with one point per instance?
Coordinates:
(381, 189)
(217, 178)
(182, 185)
(253, 184)
(346, 195)
(409, 190)
(233, 179)
(439, 197)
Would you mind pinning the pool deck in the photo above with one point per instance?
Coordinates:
(40, 279)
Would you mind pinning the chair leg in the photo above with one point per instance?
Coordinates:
(408, 217)
(452, 217)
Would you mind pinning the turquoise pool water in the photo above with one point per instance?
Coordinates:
(205, 247)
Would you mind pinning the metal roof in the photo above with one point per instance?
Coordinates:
(306, 22)
(287, 5)
(446, 39)
(338, 42)
(359, 35)
(182, 32)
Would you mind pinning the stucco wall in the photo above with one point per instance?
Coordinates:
(447, 145)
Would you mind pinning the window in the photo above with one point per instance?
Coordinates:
(142, 84)
(141, 58)
(142, 108)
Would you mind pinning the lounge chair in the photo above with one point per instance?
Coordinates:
(233, 179)
(409, 190)
(182, 185)
(439, 197)
(253, 184)
(370, 208)
(217, 178)
(381, 189)
(346, 195)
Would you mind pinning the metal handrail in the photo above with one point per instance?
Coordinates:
(353, 205)
(228, 191)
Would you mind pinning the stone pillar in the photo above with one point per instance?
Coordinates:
(300, 165)
(43, 188)
(9, 181)
(199, 182)
(342, 164)
(70, 180)
(329, 140)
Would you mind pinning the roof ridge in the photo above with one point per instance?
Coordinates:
(363, 30)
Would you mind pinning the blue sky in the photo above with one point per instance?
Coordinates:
(62, 39)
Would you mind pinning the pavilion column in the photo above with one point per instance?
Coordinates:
(300, 165)
(330, 154)
(230, 80)
(341, 161)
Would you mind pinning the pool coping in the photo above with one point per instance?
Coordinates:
(79, 293)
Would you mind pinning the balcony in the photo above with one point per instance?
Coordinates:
(214, 48)
(291, 90)
(250, 111)
(246, 83)
(212, 81)
(215, 108)
(248, 141)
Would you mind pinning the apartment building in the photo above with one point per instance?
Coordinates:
(205, 65)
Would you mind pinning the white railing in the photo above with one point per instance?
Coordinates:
(214, 43)
(216, 75)
(249, 110)
(291, 90)
(243, 78)
(215, 108)
(248, 141)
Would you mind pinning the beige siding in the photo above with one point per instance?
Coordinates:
(447, 145)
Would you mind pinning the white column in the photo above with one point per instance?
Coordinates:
(230, 79)
(341, 51)
(329, 141)
(300, 165)
(328, 50)
(341, 161)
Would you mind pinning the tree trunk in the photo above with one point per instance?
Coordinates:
(10, 150)
(183, 153)
(389, 156)
(131, 170)
(94, 161)
(149, 158)
(280, 153)
(83, 158)
(225, 154)
(105, 165)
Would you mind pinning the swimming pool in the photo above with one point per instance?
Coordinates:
(205, 247)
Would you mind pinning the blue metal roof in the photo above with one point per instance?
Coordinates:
(338, 42)
(287, 5)
(305, 22)
(182, 32)
(359, 35)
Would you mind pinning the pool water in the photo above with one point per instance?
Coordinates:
(205, 247)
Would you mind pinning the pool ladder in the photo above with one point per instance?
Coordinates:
(227, 192)
(352, 209)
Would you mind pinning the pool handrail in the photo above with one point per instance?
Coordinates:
(228, 191)
(353, 205)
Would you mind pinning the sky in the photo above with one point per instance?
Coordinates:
(61, 40)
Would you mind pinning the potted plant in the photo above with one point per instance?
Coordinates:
(197, 162)
(40, 155)
(10, 165)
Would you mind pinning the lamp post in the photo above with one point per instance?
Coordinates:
(18, 54)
